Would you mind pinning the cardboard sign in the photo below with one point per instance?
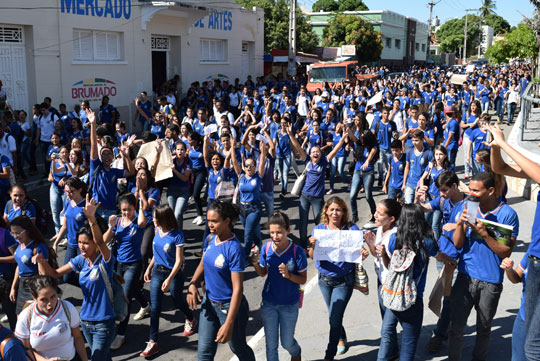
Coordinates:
(338, 246)
(148, 151)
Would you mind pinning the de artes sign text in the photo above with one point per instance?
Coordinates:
(93, 89)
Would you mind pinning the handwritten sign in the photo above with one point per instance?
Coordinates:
(338, 246)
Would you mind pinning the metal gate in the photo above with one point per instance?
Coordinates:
(13, 66)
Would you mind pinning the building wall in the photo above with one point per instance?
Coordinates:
(49, 47)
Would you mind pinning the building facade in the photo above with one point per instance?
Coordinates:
(405, 40)
(73, 50)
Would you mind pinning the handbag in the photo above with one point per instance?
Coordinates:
(236, 195)
(299, 183)
(361, 280)
(225, 189)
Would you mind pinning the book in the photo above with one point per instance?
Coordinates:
(502, 233)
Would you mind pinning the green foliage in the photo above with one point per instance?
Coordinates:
(452, 33)
(276, 25)
(488, 7)
(339, 5)
(498, 23)
(353, 30)
(520, 43)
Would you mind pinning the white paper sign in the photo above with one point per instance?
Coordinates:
(375, 99)
(209, 129)
(338, 246)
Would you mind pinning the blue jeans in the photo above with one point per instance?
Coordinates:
(409, 194)
(156, 297)
(337, 292)
(25, 153)
(465, 145)
(99, 335)
(510, 109)
(532, 309)
(452, 154)
(366, 179)
(435, 218)
(499, 106)
(476, 167)
(72, 277)
(485, 106)
(198, 184)
(519, 334)
(392, 346)
(210, 320)
(411, 323)
(132, 288)
(307, 202)
(382, 164)
(251, 221)
(338, 163)
(284, 165)
(394, 193)
(178, 200)
(280, 321)
(268, 199)
(57, 198)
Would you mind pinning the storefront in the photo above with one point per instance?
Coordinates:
(72, 50)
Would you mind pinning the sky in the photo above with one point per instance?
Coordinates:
(511, 10)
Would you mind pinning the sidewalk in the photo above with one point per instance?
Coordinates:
(363, 321)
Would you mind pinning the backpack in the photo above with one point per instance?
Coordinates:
(42, 216)
(225, 189)
(399, 289)
(116, 293)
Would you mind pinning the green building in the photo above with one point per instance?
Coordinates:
(405, 39)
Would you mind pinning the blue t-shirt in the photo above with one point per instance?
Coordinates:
(410, 124)
(7, 243)
(250, 189)
(176, 182)
(128, 240)
(11, 211)
(151, 194)
(165, 245)
(452, 126)
(469, 120)
(534, 247)
(268, 176)
(417, 165)
(5, 163)
(277, 289)
(62, 172)
(214, 178)
(75, 219)
(220, 259)
(157, 129)
(477, 137)
(96, 304)
(315, 139)
(52, 150)
(14, 348)
(335, 269)
(397, 170)
(336, 138)
(23, 257)
(315, 174)
(283, 148)
(478, 260)
(435, 173)
(384, 134)
(197, 158)
(361, 160)
(106, 113)
(105, 184)
(420, 267)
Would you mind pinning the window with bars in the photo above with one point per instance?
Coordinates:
(213, 51)
(398, 43)
(388, 42)
(97, 45)
(160, 43)
(11, 34)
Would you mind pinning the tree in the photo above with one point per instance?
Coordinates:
(339, 5)
(488, 7)
(498, 23)
(276, 25)
(520, 43)
(353, 30)
(451, 34)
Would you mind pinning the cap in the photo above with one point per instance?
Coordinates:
(324, 94)
(448, 110)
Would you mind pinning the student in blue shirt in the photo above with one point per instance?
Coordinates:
(165, 274)
(415, 233)
(144, 110)
(418, 159)
(478, 140)
(451, 133)
(224, 308)
(314, 137)
(313, 190)
(104, 178)
(384, 130)
(107, 112)
(468, 124)
(285, 264)
(18, 204)
(178, 189)
(128, 231)
(393, 182)
(13, 349)
(8, 245)
(157, 125)
(338, 163)
(31, 242)
(336, 279)
(195, 154)
(5, 174)
(97, 311)
(58, 174)
(283, 155)
(479, 282)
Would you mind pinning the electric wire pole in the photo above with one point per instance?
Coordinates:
(430, 5)
(292, 38)
(465, 38)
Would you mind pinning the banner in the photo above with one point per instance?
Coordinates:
(148, 151)
(338, 246)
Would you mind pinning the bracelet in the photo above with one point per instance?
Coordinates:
(92, 224)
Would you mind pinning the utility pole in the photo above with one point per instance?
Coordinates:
(292, 38)
(465, 38)
(430, 5)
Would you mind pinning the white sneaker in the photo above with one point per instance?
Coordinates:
(143, 312)
(189, 327)
(200, 221)
(63, 242)
(117, 342)
(195, 219)
(370, 224)
(4, 319)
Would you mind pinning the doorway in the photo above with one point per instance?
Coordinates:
(159, 68)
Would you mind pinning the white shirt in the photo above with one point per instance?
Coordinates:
(46, 124)
(217, 116)
(24, 128)
(8, 145)
(49, 335)
(512, 95)
(303, 107)
(380, 239)
(234, 99)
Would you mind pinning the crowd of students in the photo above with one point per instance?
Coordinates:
(230, 145)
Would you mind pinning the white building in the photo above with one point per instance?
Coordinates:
(72, 50)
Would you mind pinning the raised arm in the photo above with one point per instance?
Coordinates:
(295, 144)
(89, 211)
(336, 149)
(93, 135)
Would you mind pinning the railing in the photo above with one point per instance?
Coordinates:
(530, 96)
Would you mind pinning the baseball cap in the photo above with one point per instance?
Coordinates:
(324, 94)
(448, 110)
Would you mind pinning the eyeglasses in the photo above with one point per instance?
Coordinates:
(15, 234)
(250, 165)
